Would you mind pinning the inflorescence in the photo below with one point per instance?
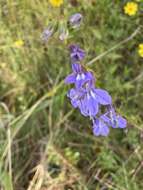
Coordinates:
(89, 99)
(62, 28)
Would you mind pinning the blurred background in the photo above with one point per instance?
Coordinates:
(45, 144)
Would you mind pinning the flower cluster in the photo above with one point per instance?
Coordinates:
(73, 22)
(89, 99)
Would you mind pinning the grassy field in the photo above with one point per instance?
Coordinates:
(45, 144)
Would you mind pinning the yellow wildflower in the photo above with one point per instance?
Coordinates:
(56, 3)
(140, 50)
(18, 43)
(131, 8)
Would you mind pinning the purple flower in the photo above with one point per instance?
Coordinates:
(87, 106)
(92, 99)
(100, 128)
(110, 119)
(47, 33)
(79, 75)
(88, 99)
(76, 53)
(114, 120)
(75, 20)
(75, 96)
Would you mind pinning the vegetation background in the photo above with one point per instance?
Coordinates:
(44, 143)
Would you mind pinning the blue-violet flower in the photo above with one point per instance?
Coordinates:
(79, 75)
(47, 33)
(100, 128)
(88, 99)
(76, 53)
(75, 20)
(114, 120)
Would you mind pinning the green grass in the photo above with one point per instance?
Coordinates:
(44, 143)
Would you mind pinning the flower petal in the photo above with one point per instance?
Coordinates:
(74, 95)
(106, 119)
(92, 106)
(96, 128)
(122, 122)
(100, 128)
(105, 130)
(70, 79)
(74, 103)
(103, 97)
(77, 68)
(83, 108)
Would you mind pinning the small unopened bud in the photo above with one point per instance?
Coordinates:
(75, 20)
